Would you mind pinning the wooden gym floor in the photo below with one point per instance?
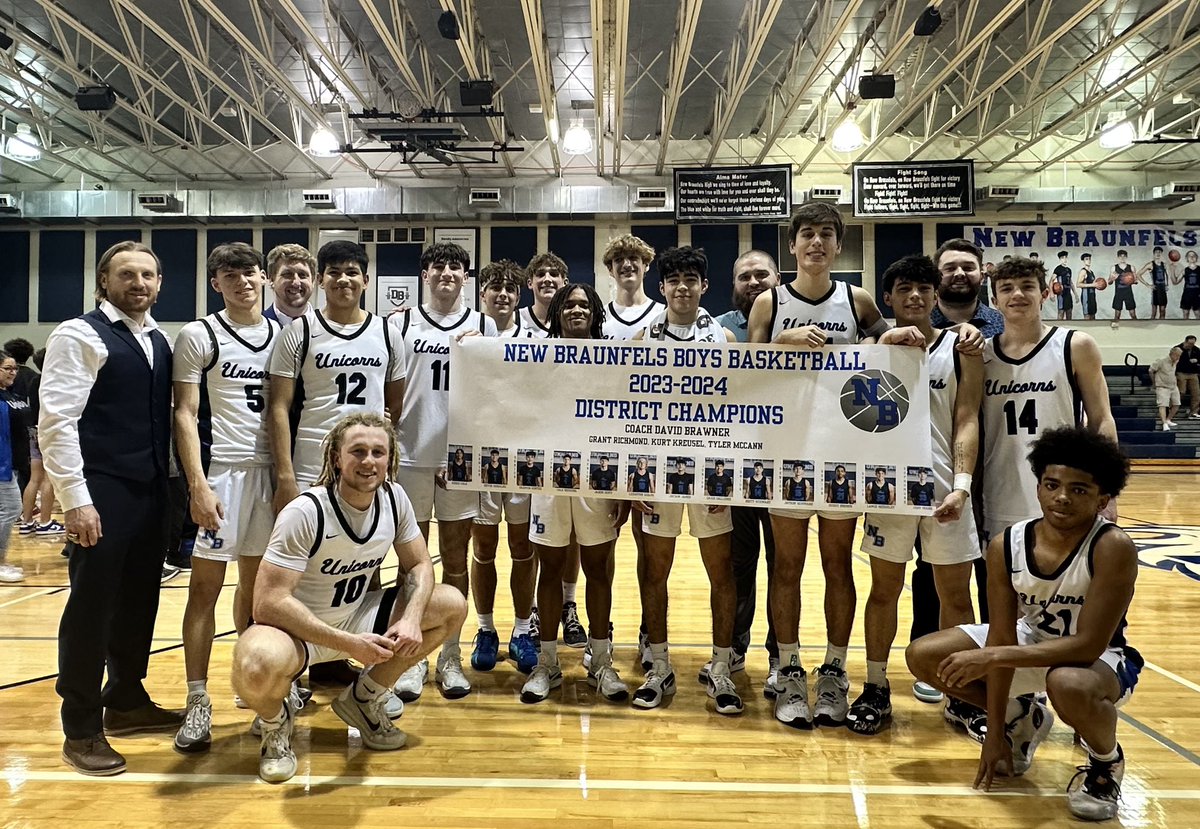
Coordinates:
(578, 761)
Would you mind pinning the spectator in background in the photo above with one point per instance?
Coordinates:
(1186, 375)
(1166, 393)
(960, 263)
(21, 349)
(13, 436)
(38, 497)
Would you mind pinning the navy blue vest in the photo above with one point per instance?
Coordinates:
(125, 428)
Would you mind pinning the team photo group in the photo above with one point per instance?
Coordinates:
(314, 438)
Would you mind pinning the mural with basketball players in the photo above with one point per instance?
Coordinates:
(1105, 272)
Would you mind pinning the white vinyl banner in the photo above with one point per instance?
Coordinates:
(1101, 269)
(839, 428)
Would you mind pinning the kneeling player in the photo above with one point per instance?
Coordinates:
(311, 604)
(1058, 590)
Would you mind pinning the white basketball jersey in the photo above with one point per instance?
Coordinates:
(622, 322)
(341, 369)
(942, 362)
(423, 420)
(1050, 603)
(519, 331)
(705, 329)
(833, 313)
(230, 363)
(338, 548)
(529, 323)
(1021, 400)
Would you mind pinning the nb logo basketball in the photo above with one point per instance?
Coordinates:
(875, 401)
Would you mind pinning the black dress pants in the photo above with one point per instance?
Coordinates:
(745, 547)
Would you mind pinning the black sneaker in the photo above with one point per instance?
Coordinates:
(966, 716)
(871, 711)
(535, 625)
(1097, 798)
(573, 634)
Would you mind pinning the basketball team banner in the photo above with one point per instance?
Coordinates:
(1100, 269)
(838, 428)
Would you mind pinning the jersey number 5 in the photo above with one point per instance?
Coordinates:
(350, 389)
(254, 398)
(1027, 420)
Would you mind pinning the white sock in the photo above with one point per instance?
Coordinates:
(521, 626)
(877, 672)
(487, 621)
(600, 654)
(278, 718)
(548, 653)
(197, 686)
(569, 592)
(789, 655)
(1111, 757)
(658, 650)
(366, 688)
(836, 656)
(722, 655)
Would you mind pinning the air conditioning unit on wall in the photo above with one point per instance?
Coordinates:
(483, 197)
(650, 197)
(824, 192)
(320, 199)
(160, 202)
(8, 203)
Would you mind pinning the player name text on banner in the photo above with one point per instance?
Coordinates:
(758, 425)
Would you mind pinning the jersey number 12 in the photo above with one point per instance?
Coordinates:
(350, 389)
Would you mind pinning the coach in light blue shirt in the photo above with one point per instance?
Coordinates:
(754, 271)
(960, 262)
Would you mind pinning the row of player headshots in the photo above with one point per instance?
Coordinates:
(712, 477)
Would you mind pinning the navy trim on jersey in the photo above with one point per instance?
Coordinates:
(1012, 362)
(392, 500)
(854, 310)
(303, 346)
(1076, 392)
(1031, 561)
(1008, 555)
(387, 343)
(1092, 547)
(774, 313)
(407, 320)
(316, 545)
(212, 339)
(366, 323)
(612, 310)
(256, 349)
(536, 321)
(465, 314)
(803, 298)
(337, 510)
(384, 613)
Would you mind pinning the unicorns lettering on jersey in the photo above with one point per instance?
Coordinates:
(1022, 398)
(622, 323)
(426, 335)
(833, 313)
(337, 548)
(230, 363)
(340, 369)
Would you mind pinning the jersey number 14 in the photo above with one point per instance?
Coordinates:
(1026, 420)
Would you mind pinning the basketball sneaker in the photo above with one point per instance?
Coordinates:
(451, 680)
(535, 625)
(604, 677)
(659, 683)
(276, 760)
(871, 711)
(27, 528)
(833, 696)
(791, 698)
(412, 682)
(370, 718)
(393, 705)
(543, 680)
(1027, 732)
(962, 715)
(573, 634)
(1097, 797)
(771, 686)
(195, 735)
(297, 698)
(722, 691)
(487, 650)
(738, 663)
(644, 650)
(523, 652)
(11, 574)
(587, 651)
(927, 693)
(51, 527)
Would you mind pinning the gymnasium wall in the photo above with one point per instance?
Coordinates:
(50, 272)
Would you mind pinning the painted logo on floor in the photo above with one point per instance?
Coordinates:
(1171, 547)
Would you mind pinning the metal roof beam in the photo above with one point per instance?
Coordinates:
(539, 51)
(686, 20)
(757, 20)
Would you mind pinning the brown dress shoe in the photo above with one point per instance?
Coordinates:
(145, 718)
(92, 756)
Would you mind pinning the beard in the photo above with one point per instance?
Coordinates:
(958, 294)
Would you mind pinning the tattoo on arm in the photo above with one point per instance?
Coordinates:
(960, 455)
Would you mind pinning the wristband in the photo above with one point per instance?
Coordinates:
(962, 480)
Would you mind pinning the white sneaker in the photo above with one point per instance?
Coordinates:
(1172, 423)
(791, 698)
(11, 574)
(412, 682)
(1027, 732)
(771, 686)
(723, 692)
(451, 680)
(370, 718)
(833, 696)
(1166, 427)
(1097, 798)
(195, 735)
(659, 684)
(542, 680)
(927, 693)
(393, 705)
(277, 761)
(738, 663)
(607, 681)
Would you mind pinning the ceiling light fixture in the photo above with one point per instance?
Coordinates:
(577, 140)
(1118, 133)
(24, 146)
(324, 144)
(847, 137)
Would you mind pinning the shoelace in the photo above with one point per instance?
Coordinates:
(828, 690)
(378, 710)
(276, 742)
(722, 684)
(1097, 780)
(198, 720)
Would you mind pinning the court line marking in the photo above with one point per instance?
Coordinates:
(1186, 683)
(1160, 738)
(48, 591)
(18, 777)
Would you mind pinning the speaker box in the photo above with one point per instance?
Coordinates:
(476, 93)
(877, 86)
(928, 23)
(95, 98)
(448, 25)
